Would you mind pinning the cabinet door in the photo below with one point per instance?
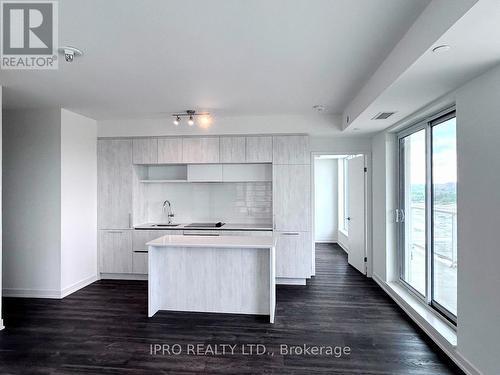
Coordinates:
(204, 173)
(259, 149)
(114, 183)
(293, 254)
(247, 172)
(145, 151)
(140, 250)
(169, 150)
(291, 149)
(115, 249)
(232, 150)
(200, 150)
(291, 197)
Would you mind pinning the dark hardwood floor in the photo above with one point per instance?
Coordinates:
(103, 329)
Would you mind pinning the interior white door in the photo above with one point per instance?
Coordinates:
(356, 212)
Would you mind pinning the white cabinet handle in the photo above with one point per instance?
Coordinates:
(289, 234)
(130, 220)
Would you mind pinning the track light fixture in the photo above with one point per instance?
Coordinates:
(190, 114)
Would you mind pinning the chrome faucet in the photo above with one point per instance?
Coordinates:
(170, 214)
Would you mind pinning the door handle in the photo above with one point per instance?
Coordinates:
(348, 218)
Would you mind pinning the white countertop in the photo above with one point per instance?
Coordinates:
(228, 226)
(254, 242)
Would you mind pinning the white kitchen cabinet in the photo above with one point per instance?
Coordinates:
(292, 197)
(204, 172)
(247, 172)
(115, 249)
(140, 250)
(200, 150)
(259, 149)
(140, 262)
(291, 149)
(265, 233)
(232, 150)
(142, 236)
(293, 255)
(145, 151)
(169, 150)
(114, 184)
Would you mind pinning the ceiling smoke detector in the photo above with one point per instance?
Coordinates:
(383, 115)
(70, 53)
(319, 107)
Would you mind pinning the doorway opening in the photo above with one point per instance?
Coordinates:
(340, 205)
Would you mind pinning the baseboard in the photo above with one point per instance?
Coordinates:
(450, 350)
(78, 285)
(325, 241)
(343, 247)
(44, 293)
(31, 293)
(290, 281)
(123, 276)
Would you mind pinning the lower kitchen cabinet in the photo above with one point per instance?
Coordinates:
(115, 249)
(140, 250)
(293, 255)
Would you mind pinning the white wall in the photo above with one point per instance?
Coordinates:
(325, 200)
(478, 133)
(384, 204)
(323, 124)
(78, 200)
(32, 205)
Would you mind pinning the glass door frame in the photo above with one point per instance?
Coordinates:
(427, 124)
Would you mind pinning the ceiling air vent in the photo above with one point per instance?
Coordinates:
(383, 115)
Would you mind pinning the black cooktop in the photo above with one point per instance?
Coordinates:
(206, 225)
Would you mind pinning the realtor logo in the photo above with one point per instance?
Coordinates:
(28, 34)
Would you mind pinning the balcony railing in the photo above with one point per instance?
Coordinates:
(445, 231)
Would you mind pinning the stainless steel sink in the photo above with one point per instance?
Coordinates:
(165, 225)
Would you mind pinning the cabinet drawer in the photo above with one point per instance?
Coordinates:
(141, 237)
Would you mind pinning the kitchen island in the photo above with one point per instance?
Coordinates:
(217, 274)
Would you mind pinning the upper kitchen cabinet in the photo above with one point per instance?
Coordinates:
(200, 150)
(169, 150)
(232, 150)
(145, 151)
(292, 197)
(259, 149)
(114, 183)
(291, 149)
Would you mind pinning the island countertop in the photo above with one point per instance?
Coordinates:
(253, 242)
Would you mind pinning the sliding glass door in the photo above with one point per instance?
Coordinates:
(413, 197)
(427, 213)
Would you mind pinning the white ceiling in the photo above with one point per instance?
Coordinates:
(145, 58)
(475, 48)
